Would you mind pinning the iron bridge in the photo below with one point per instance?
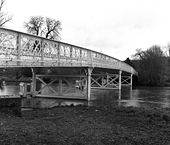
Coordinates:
(18, 49)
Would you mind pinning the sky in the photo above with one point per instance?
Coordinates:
(114, 27)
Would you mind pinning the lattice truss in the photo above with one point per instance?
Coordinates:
(66, 86)
(126, 80)
(8, 44)
(30, 46)
(105, 81)
(50, 49)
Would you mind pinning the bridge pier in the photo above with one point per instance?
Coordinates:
(120, 83)
(33, 83)
(120, 79)
(89, 72)
(131, 81)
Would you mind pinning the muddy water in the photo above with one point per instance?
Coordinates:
(138, 97)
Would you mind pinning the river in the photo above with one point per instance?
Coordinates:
(138, 97)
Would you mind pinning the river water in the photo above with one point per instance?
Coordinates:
(138, 97)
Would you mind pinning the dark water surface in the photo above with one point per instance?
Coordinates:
(138, 97)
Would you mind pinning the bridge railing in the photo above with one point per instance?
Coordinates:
(21, 49)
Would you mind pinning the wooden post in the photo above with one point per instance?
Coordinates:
(119, 94)
(58, 53)
(120, 83)
(42, 53)
(120, 77)
(33, 87)
(18, 49)
(71, 54)
(131, 81)
(90, 58)
(89, 71)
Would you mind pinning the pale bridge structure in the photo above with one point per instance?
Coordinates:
(69, 71)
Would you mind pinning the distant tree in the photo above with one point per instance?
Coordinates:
(129, 62)
(4, 18)
(45, 27)
(150, 65)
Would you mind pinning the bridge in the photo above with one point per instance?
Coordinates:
(73, 70)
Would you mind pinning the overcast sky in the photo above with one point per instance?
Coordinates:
(114, 27)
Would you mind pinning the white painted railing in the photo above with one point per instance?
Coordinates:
(19, 49)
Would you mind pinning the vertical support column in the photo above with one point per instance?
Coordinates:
(33, 87)
(120, 83)
(89, 71)
(120, 77)
(131, 81)
(18, 49)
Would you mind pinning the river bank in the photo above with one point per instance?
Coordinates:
(81, 125)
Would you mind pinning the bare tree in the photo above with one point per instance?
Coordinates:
(52, 28)
(45, 27)
(34, 26)
(4, 18)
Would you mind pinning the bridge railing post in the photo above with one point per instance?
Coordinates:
(80, 57)
(42, 52)
(58, 54)
(18, 48)
(71, 55)
(89, 56)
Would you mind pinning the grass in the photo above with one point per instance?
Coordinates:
(81, 125)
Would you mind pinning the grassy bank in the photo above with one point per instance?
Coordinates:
(104, 125)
